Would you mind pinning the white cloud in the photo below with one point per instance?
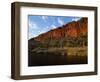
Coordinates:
(61, 22)
(47, 27)
(41, 31)
(32, 25)
(44, 18)
(31, 35)
(75, 19)
(53, 26)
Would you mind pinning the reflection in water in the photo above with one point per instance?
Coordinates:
(55, 58)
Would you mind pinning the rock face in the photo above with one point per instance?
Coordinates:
(72, 30)
(73, 34)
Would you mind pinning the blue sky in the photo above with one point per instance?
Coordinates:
(41, 24)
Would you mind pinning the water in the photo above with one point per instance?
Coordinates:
(55, 58)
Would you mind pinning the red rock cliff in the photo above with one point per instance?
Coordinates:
(72, 30)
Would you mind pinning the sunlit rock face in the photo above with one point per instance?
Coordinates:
(73, 29)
